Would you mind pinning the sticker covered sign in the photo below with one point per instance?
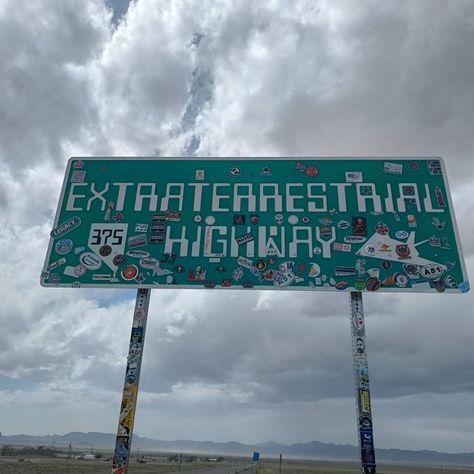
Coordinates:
(342, 224)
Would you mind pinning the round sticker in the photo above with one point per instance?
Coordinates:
(90, 260)
(312, 171)
(119, 259)
(197, 218)
(372, 284)
(358, 320)
(210, 220)
(401, 234)
(235, 171)
(130, 272)
(400, 279)
(105, 250)
(293, 219)
(63, 246)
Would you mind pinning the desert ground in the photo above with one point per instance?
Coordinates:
(16, 465)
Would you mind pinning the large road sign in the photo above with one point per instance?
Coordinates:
(362, 224)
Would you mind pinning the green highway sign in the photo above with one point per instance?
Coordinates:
(363, 224)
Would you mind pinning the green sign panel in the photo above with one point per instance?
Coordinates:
(365, 224)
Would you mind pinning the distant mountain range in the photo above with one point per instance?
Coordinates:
(311, 450)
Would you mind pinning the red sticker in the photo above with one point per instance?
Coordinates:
(130, 272)
(312, 171)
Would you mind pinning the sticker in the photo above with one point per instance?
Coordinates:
(226, 283)
(56, 264)
(130, 272)
(55, 278)
(279, 219)
(254, 218)
(137, 241)
(168, 258)
(401, 234)
(266, 171)
(411, 218)
(237, 274)
(372, 284)
(244, 262)
(149, 263)
(173, 216)
(138, 254)
(66, 227)
(282, 279)
(341, 285)
(403, 251)
(199, 274)
(235, 171)
(80, 270)
(343, 224)
(243, 239)
(293, 219)
(432, 271)
(365, 422)
(354, 239)
(337, 246)
(90, 260)
(63, 246)
(392, 168)
(247, 284)
(210, 220)
(464, 287)
(197, 218)
(434, 167)
(382, 228)
(359, 226)
(105, 250)
(439, 197)
(305, 219)
(239, 219)
(78, 164)
(373, 272)
(437, 223)
(359, 345)
(401, 280)
(182, 269)
(386, 265)
(325, 221)
(312, 171)
(413, 166)
(359, 285)
(199, 176)
(118, 259)
(354, 177)
(301, 167)
(261, 265)
(358, 320)
(78, 176)
(344, 271)
(364, 401)
(141, 227)
(434, 241)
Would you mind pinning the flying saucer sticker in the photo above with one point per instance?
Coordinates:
(314, 224)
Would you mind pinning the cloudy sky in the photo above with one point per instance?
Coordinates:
(231, 78)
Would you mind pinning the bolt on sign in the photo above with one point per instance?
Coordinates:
(353, 224)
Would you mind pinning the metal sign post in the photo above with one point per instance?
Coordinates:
(123, 443)
(361, 376)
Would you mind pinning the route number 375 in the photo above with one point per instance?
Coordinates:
(107, 234)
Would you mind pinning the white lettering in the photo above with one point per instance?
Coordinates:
(98, 195)
(169, 196)
(324, 202)
(72, 197)
(290, 199)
